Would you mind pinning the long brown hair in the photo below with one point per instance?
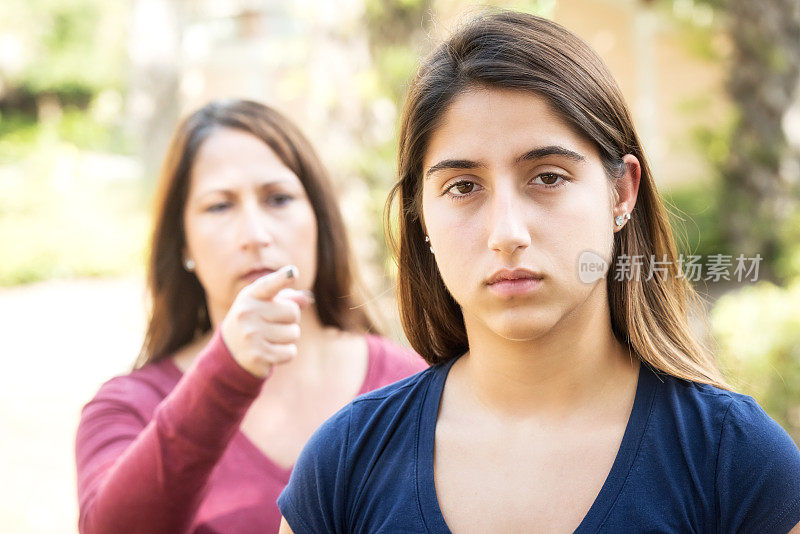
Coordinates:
(518, 51)
(178, 305)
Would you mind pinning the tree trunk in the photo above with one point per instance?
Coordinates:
(154, 50)
(760, 193)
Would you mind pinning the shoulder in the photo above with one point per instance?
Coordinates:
(701, 399)
(140, 390)
(390, 362)
(693, 410)
(734, 422)
(737, 420)
(752, 443)
(748, 422)
(755, 464)
(120, 409)
(747, 418)
(378, 409)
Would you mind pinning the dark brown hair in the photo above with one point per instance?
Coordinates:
(517, 51)
(178, 305)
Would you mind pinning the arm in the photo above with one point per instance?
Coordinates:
(135, 476)
(140, 476)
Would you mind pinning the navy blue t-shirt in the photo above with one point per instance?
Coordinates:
(693, 458)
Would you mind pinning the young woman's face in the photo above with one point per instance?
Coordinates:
(247, 214)
(511, 197)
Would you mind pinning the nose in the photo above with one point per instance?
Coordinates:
(508, 231)
(255, 227)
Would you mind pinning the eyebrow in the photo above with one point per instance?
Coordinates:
(453, 164)
(551, 150)
(222, 190)
(536, 153)
(227, 191)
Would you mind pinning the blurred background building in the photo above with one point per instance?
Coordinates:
(90, 92)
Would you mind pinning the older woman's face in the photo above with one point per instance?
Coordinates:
(511, 197)
(246, 215)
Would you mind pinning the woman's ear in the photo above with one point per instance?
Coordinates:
(626, 190)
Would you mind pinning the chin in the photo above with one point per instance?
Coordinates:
(521, 333)
(521, 325)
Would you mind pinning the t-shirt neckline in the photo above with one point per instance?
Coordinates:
(628, 449)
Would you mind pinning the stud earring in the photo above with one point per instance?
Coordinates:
(428, 240)
(620, 219)
(189, 265)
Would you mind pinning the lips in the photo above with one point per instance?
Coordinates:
(514, 282)
(506, 275)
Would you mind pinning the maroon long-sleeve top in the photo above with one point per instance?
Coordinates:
(160, 451)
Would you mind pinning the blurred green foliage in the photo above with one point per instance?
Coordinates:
(68, 47)
(71, 203)
(61, 216)
(21, 136)
(758, 332)
(789, 260)
(694, 215)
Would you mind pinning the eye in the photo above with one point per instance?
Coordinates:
(551, 179)
(217, 207)
(462, 188)
(279, 199)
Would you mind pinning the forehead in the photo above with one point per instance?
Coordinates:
(230, 158)
(498, 125)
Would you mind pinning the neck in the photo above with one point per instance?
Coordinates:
(576, 363)
(313, 337)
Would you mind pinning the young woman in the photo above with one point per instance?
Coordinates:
(240, 363)
(555, 403)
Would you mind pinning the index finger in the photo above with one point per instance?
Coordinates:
(266, 287)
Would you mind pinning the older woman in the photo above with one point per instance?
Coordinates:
(254, 338)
